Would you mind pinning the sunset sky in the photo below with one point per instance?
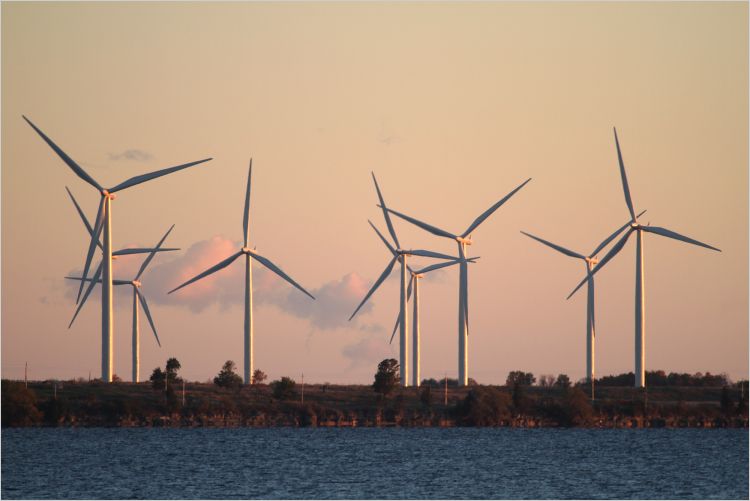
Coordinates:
(451, 105)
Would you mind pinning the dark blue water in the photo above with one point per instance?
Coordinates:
(373, 463)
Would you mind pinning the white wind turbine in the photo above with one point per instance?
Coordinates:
(137, 297)
(103, 223)
(462, 241)
(401, 256)
(640, 305)
(416, 333)
(249, 254)
(589, 261)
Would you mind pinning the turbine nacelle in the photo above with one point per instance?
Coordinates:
(136, 283)
(109, 195)
(464, 241)
(248, 251)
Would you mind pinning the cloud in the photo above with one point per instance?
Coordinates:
(335, 300)
(368, 350)
(132, 154)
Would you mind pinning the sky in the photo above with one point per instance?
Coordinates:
(452, 106)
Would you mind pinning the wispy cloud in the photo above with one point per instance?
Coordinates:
(132, 154)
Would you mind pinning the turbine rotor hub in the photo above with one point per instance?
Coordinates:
(137, 283)
(247, 250)
(465, 241)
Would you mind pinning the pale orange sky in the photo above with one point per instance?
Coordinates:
(452, 106)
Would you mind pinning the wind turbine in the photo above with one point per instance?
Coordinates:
(640, 304)
(414, 283)
(249, 254)
(400, 255)
(103, 223)
(462, 241)
(137, 296)
(589, 261)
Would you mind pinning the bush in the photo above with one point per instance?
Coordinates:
(227, 378)
(284, 388)
(483, 406)
(520, 377)
(387, 376)
(18, 405)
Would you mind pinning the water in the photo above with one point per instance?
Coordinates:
(374, 463)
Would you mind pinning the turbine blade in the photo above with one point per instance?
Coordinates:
(213, 269)
(142, 250)
(65, 158)
(92, 283)
(612, 253)
(86, 223)
(427, 227)
(377, 283)
(426, 253)
(387, 244)
(555, 246)
(395, 328)
(437, 266)
(625, 187)
(152, 253)
(268, 264)
(148, 314)
(246, 214)
(606, 241)
(98, 226)
(671, 234)
(153, 175)
(492, 209)
(387, 217)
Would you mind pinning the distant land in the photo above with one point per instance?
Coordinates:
(95, 404)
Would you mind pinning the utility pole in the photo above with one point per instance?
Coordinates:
(303, 388)
(445, 399)
(26, 375)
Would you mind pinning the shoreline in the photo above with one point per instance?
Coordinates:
(203, 405)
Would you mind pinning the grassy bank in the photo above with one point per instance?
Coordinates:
(127, 404)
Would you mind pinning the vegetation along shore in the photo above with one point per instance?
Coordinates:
(671, 400)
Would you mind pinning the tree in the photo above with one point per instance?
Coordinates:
(157, 379)
(563, 381)
(546, 380)
(283, 388)
(425, 395)
(227, 378)
(259, 376)
(387, 376)
(520, 377)
(173, 365)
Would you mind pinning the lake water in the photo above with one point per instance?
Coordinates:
(374, 463)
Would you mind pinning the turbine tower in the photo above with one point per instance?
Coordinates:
(640, 304)
(416, 342)
(400, 255)
(103, 223)
(589, 261)
(249, 254)
(137, 296)
(462, 241)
